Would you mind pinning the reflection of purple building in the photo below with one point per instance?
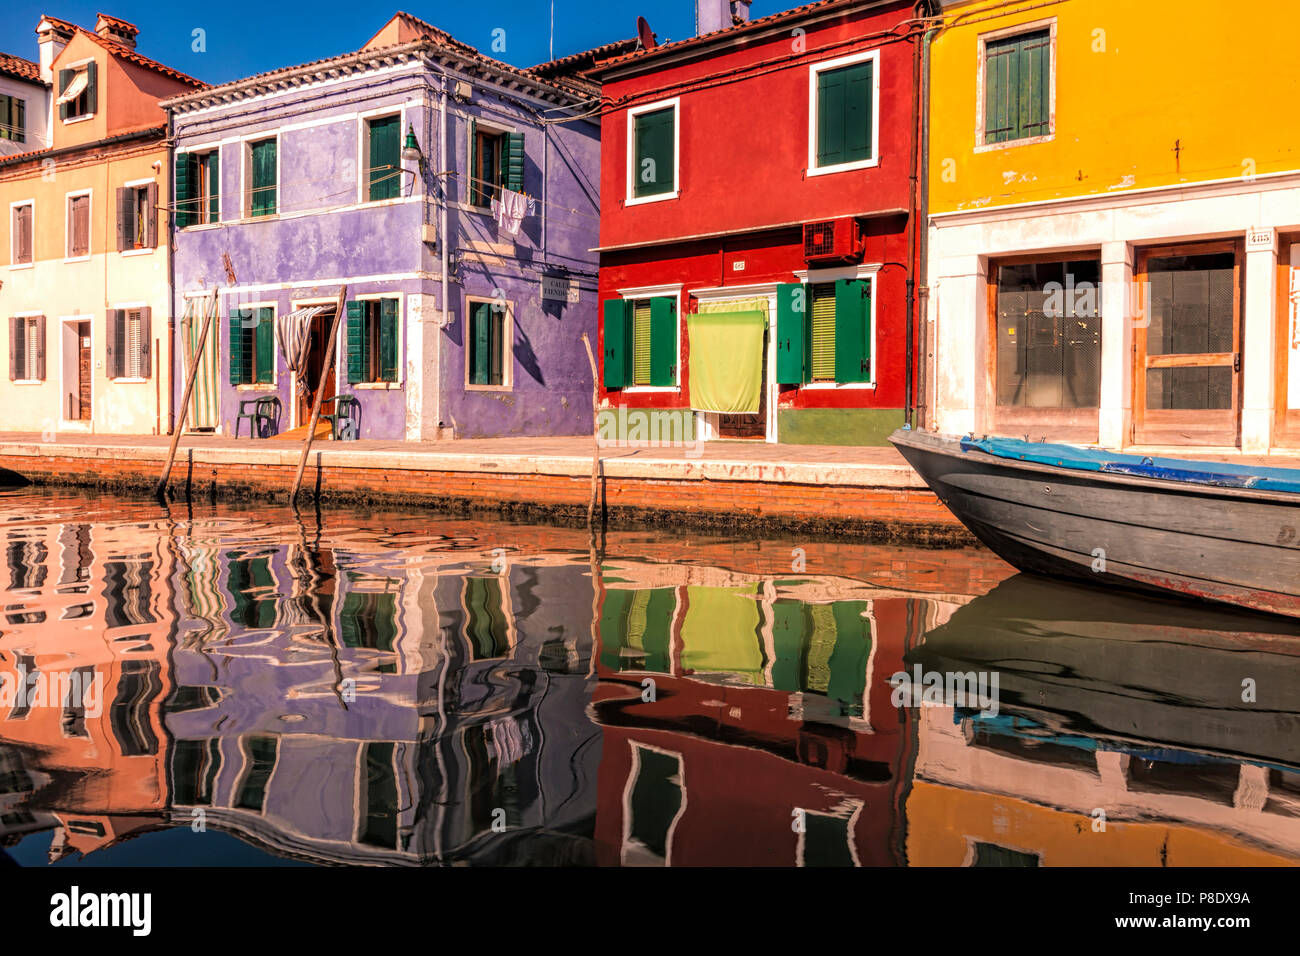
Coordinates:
(378, 170)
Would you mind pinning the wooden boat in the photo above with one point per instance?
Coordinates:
(1208, 530)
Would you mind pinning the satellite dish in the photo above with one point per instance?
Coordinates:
(644, 32)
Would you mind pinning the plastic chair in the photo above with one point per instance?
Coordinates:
(260, 413)
(345, 420)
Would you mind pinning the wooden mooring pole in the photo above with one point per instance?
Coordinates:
(160, 490)
(595, 434)
(320, 391)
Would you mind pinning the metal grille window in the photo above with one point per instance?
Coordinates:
(1049, 334)
(823, 332)
(1018, 87)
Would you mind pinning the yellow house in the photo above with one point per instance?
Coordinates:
(85, 291)
(1114, 198)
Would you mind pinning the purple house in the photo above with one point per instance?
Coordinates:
(454, 196)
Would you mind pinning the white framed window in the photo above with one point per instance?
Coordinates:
(1016, 86)
(198, 186)
(78, 225)
(644, 334)
(654, 152)
(826, 318)
(379, 155)
(137, 217)
(259, 176)
(489, 344)
(374, 337)
(844, 114)
(129, 346)
(22, 233)
(76, 86)
(27, 348)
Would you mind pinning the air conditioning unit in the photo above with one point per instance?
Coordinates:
(834, 240)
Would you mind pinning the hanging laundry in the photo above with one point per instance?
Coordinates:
(509, 210)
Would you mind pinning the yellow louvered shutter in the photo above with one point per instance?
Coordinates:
(823, 332)
(641, 342)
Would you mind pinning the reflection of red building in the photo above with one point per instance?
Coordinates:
(784, 751)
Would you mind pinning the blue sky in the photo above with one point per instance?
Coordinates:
(251, 36)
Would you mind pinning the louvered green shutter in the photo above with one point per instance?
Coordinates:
(654, 155)
(830, 117)
(213, 160)
(476, 188)
(65, 77)
(265, 347)
(481, 330)
(663, 341)
(1035, 66)
(125, 218)
(514, 162)
(385, 158)
(388, 340)
(617, 318)
(239, 369)
(791, 316)
(844, 105)
(852, 318)
(1017, 87)
(263, 198)
(116, 344)
(92, 86)
(357, 342)
(184, 214)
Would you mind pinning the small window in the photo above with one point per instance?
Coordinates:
(13, 118)
(1017, 87)
(384, 158)
(372, 341)
(130, 343)
(824, 333)
(260, 757)
(262, 177)
(77, 91)
(369, 619)
(78, 226)
(496, 163)
(198, 188)
(654, 153)
(641, 342)
(487, 629)
(27, 348)
(137, 217)
(252, 346)
(655, 801)
(844, 110)
(487, 347)
(21, 234)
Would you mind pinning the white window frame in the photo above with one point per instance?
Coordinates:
(817, 69)
(274, 306)
(866, 273)
(630, 198)
(138, 184)
(673, 290)
(508, 339)
(203, 149)
(54, 92)
(1033, 27)
(401, 341)
(480, 125)
(13, 208)
(246, 144)
(363, 155)
(32, 381)
(67, 225)
(124, 308)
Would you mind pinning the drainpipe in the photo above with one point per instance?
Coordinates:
(909, 378)
(923, 368)
(443, 242)
(171, 276)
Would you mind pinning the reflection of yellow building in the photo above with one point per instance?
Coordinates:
(84, 251)
(1083, 144)
(981, 799)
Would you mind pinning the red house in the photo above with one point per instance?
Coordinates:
(758, 217)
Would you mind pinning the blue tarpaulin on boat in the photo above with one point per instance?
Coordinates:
(1219, 474)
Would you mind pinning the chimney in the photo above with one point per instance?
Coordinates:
(116, 31)
(713, 15)
(51, 37)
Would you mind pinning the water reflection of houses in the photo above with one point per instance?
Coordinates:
(770, 707)
(84, 636)
(1128, 706)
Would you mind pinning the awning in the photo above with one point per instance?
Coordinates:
(75, 88)
(292, 332)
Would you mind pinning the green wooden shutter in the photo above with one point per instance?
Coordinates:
(146, 343)
(92, 86)
(663, 341)
(844, 120)
(65, 77)
(184, 214)
(1017, 87)
(514, 162)
(125, 219)
(999, 65)
(480, 344)
(830, 117)
(239, 370)
(115, 347)
(385, 157)
(475, 187)
(264, 349)
(852, 318)
(1033, 114)
(213, 159)
(654, 135)
(357, 342)
(263, 161)
(617, 316)
(388, 340)
(791, 319)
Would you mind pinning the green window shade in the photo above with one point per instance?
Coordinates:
(240, 364)
(615, 335)
(388, 340)
(1017, 87)
(485, 625)
(641, 343)
(358, 342)
(184, 190)
(213, 162)
(663, 341)
(92, 86)
(821, 333)
(852, 328)
(65, 77)
(844, 120)
(791, 312)
(385, 158)
(264, 350)
(369, 619)
(264, 178)
(262, 753)
(654, 171)
(486, 328)
(647, 641)
(514, 162)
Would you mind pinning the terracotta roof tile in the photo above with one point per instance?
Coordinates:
(16, 66)
(126, 53)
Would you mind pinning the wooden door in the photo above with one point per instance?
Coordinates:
(1286, 385)
(83, 371)
(318, 376)
(1187, 345)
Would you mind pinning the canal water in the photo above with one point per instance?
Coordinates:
(245, 685)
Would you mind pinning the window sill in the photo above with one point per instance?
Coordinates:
(489, 388)
(1028, 141)
(129, 381)
(658, 197)
(647, 389)
(256, 387)
(137, 252)
(843, 167)
(85, 258)
(849, 386)
(28, 381)
(249, 217)
(200, 226)
(393, 201)
(17, 266)
(377, 386)
(68, 121)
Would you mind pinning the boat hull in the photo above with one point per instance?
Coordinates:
(1230, 545)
